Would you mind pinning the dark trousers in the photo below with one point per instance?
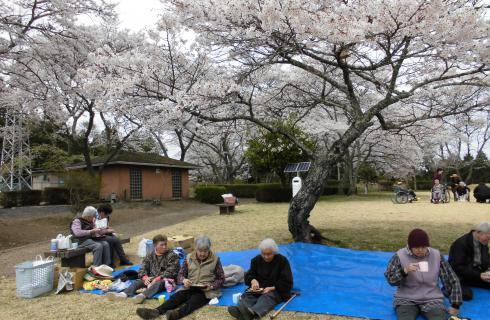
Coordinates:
(410, 312)
(261, 304)
(100, 249)
(466, 287)
(149, 292)
(187, 301)
(116, 248)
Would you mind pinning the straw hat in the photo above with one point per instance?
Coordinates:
(454, 175)
(102, 270)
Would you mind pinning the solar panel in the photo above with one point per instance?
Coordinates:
(291, 167)
(297, 167)
(304, 166)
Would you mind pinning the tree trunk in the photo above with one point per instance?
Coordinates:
(305, 200)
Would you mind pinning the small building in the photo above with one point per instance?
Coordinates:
(46, 179)
(141, 176)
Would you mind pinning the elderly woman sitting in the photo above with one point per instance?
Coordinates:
(416, 271)
(270, 280)
(84, 232)
(202, 276)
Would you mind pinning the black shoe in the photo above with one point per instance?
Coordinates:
(126, 263)
(172, 314)
(146, 313)
(235, 313)
(246, 314)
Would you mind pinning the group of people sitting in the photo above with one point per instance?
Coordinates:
(417, 269)
(202, 276)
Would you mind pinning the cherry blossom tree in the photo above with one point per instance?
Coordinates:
(340, 67)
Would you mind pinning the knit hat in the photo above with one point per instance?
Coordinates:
(418, 238)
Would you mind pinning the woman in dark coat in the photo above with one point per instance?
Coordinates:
(270, 280)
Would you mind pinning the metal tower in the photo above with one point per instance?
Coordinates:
(15, 160)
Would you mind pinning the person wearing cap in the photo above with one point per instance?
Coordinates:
(104, 212)
(416, 271)
(202, 276)
(462, 192)
(470, 260)
(160, 265)
(84, 232)
(454, 182)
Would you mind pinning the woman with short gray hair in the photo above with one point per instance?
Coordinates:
(270, 280)
(84, 232)
(470, 260)
(202, 276)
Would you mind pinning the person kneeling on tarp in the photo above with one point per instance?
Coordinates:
(158, 265)
(415, 270)
(469, 258)
(270, 280)
(202, 276)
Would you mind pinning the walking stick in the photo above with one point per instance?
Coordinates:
(295, 294)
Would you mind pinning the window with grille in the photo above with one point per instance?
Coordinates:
(135, 183)
(176, 183)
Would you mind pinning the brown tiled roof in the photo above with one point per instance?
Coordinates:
(137, 158)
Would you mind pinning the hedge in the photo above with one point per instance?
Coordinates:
(210, 194)
(273, 193)
(56, 195)
(422, 184)
(241, 190)
(21, 198)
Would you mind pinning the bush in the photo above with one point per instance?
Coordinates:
(385, 185)
(9, 199)
(56, 195)
(332, 188)
(84, 189)
(241, 190)
(21, 198)
(273, 193)
(210, 194)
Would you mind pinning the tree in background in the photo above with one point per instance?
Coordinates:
(269, 153)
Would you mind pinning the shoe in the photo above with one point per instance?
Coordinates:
(139, 298)
(113, 296)
(172, 314)
(245, 312)
(126, 263)
(145, 313)
(235, 312)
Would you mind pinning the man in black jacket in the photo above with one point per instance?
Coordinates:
(270, 279)
(469, 258)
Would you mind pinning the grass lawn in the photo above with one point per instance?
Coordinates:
(363, 222)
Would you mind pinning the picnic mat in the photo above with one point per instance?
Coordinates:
(341, 282)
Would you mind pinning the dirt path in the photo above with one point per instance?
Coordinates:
(26, 235)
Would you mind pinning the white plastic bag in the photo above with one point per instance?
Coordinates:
(39, 260)
(142, 248)
(65, 281)
(233, 275)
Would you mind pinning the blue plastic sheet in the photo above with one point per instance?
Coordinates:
(341, 282)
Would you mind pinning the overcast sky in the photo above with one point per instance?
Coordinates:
(138, 14)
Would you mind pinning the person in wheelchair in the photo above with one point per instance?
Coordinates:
(402, 187)
(462, 192)
(437, 192)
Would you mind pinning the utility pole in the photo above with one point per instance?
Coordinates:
(15, 159)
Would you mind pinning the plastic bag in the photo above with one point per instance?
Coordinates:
(118, 286)
(39, 260)
(233, 275)
(142, 248)
(65, 281)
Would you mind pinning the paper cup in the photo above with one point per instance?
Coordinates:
(236, 298)
(424, 266)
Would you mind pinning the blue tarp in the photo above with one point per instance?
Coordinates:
(341, 282)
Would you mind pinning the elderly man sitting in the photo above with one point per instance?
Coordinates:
(469, 258)
(202, 276)
(83, 231)
(157, 266)
(416, 271)
(270, 280)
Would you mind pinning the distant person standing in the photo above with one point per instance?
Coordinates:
(438, 175)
